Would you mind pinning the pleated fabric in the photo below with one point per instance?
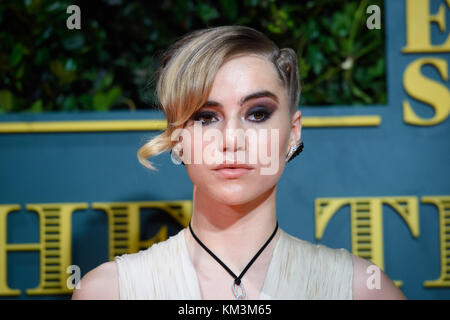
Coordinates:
(298, 270)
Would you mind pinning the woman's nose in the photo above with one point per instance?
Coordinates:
(234, 136)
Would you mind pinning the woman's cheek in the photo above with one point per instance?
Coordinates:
(273, 152)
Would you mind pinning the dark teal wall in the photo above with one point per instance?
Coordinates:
(392, 159)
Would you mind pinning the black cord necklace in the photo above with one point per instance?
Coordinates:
(237, 280)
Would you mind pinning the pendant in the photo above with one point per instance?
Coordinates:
(241, 295)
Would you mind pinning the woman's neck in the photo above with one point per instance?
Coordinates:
(234, 233)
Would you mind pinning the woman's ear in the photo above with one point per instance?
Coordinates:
(296, 128)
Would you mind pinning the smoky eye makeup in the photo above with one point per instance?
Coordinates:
(259, 113)
(205, 117)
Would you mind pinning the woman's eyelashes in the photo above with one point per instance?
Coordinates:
(206, 117)
(257, 113)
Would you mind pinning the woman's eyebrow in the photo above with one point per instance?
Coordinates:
(255, 95)
(258, 94)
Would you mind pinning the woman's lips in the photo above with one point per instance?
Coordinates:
(228, 172)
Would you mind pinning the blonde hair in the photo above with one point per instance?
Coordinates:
(188, 69)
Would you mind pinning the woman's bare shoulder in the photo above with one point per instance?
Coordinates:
(101, 283)
(371, 283)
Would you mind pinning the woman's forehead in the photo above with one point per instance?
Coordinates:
(244, 75)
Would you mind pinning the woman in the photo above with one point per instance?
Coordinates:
(230, 96)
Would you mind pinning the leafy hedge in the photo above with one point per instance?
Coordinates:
(107, 64)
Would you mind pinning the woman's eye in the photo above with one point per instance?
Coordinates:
(258, 114)
(206, 117)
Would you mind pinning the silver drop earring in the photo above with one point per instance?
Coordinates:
(175, 155)
(294, 150)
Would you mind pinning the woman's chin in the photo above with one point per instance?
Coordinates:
(228, 195)
(235, 196)
(234, 200)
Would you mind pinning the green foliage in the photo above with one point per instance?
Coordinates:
(110, 62)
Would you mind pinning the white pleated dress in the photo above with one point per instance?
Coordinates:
(298, 270)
